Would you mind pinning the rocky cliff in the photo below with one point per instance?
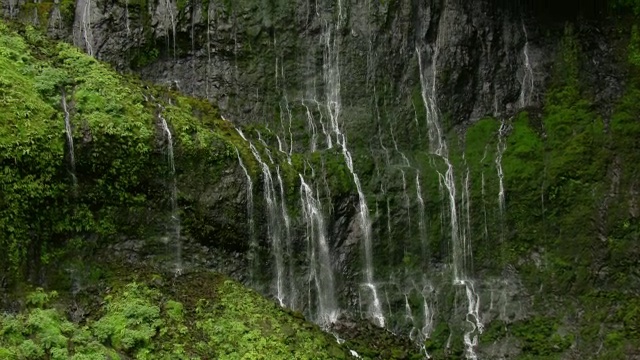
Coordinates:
(491, 143)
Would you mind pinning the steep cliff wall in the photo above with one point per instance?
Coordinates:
(493, 140)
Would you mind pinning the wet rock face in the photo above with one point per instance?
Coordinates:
(251, 58)
(247, 57)
(274, 63)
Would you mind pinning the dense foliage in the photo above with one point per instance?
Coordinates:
(569, 230)
(142, 322)
(119, 149)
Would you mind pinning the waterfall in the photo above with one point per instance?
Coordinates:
(473, 309)
(421, 221)
(438, 147)
(69, 133)
(460, 243)
(407, 199)
(482, 193)
(320, 268)
(332, 83)
(253, 243)
(126, 17)
(175, 216)
(273, 225)
(501, 147)
(266, 146)
(86, 27)
(313, 141)
(527, 82)
(324, 127)
(408, 314)
(287, 241)
(421, 328)
(427, 327)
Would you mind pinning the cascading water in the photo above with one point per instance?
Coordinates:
(86, 27)
(69, 133)
(126, 16)
(460, 243)
(527, 82)
(266, 146)
(288, 245)
(321, 275)
(501, 147)
(313, 141)
(421, 221)
(174, 222)
(253, 242)
(483, 193)
(332, 84)
(273, 225)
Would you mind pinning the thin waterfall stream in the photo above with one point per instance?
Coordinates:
(321, 275)
(273, 226)
(332, 83)
(287, 242)
(86, 27)
(460, 243)
(253, 242)
(174, 223)
(527, 82)
(501, 147)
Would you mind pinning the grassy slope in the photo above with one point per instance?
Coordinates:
(146, 316)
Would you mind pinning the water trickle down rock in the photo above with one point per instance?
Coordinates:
(174, 223)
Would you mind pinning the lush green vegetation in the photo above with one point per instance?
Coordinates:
(118, 143)
(566, 223)
(140, 321)
(570, 229)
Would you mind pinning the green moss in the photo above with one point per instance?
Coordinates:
(144, 56)
(67, 10)
(540, 337)
(634, 46)
(118, 151)
(37, 13)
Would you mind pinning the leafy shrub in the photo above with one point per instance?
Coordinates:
(131, 320)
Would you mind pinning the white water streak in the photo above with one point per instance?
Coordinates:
(421, 221)
(288, 246)
(175, 217)
(126, 16)
(501, 147)
(460, 244)
(273, 225)
(332, 83)
(321, 270)
(527, 82)
(253, 243)
(86, 27)
(313, 142)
